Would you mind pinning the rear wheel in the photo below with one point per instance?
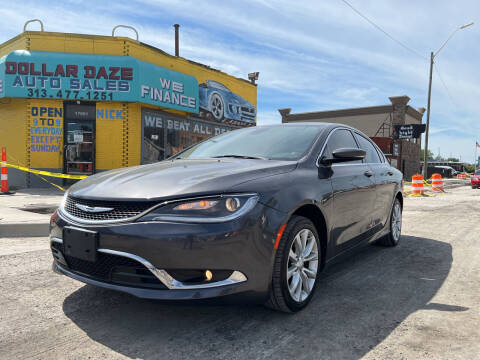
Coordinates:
(393, 237)
(296, 266)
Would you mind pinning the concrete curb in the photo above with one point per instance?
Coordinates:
(24, 229)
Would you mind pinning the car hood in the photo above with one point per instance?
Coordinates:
(176, 178)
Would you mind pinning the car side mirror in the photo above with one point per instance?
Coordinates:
(344, 155)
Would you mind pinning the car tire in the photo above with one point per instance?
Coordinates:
(395, 221)
(217, 106)
(287, 272)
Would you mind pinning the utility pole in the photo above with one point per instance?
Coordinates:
(425, 152)
(432, 57)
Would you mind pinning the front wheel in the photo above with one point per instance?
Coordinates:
(393, 237)
(296, 266)
(217, 107)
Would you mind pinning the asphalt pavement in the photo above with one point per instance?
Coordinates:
(420, 300)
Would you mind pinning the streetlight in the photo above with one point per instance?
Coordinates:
(432, 57)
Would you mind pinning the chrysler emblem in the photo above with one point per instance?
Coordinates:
(92, 209)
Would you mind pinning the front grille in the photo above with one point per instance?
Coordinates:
(113, 269)
(248, 110)
(121, 209)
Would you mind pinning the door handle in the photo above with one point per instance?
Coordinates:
(390, 173)
(368, 173)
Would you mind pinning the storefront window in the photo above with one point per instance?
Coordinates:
(153, 142)
(177, 140)
(165, 134)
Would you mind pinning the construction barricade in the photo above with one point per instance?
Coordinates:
(437, 183)
(4, 173)
(417, 185)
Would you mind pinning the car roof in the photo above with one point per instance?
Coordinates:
(323, 125)
(311, 123)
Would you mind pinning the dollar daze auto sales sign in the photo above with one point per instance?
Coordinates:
(49, 75)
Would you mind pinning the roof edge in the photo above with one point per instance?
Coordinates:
(25, 34)
(339, 113)
(414, 112)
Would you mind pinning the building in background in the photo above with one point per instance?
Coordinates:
(79, 104)
(381, 124)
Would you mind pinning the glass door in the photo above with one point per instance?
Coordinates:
(79, 154)
(79, 148)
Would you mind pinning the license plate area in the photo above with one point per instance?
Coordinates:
(80, 244)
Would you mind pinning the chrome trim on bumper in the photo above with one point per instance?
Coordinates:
(57, 240)
(167, 280)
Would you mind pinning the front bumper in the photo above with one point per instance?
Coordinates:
(243, 246)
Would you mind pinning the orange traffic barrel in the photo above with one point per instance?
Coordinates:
(417, 184)
(437, 182)
(4, 172)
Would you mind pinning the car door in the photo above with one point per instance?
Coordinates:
(353, 194)
(384, 181)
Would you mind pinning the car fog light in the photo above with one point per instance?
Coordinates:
(208, 275)
(232, 204)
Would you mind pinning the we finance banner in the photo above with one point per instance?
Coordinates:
(68, 76)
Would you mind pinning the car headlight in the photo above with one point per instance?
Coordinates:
(204, 210)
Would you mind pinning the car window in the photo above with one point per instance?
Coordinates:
(340, 138)
(372, 155)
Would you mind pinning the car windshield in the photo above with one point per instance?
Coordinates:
(268, 142)
(477, 172)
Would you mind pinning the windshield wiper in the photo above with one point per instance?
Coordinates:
(241, 157)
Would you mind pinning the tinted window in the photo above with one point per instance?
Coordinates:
(271, 142)
(372, 155)
(340, 138)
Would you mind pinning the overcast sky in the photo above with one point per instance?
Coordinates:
(311, 55)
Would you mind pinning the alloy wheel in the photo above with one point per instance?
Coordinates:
(216, 106)
(302, 265)
(396, 221)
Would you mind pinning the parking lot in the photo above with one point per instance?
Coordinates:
(420, 300)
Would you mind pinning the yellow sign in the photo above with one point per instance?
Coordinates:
(46, 133)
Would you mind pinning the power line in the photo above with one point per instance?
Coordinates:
(445, 85)
(383, 31)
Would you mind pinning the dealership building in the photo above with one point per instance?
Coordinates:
(381, 124)
(79, 104)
